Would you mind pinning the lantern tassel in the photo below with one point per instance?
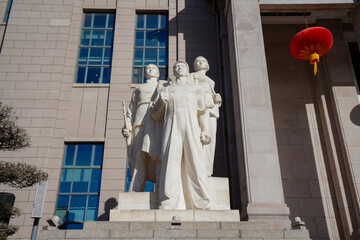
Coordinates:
(314, 59)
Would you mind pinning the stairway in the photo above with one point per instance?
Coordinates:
(168, 230)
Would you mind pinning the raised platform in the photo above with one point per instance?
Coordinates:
(166, 215)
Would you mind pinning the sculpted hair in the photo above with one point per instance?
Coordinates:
(207, 63)
(157, 70)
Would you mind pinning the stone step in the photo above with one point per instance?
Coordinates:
(167, 225)
(164, 230)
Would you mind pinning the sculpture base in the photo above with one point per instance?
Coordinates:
(143, 206)
(166, 215)
(218, 189)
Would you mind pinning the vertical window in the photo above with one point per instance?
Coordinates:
(95, 54)
(78, 196)
(151, 45)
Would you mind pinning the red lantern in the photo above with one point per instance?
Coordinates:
(310, 44)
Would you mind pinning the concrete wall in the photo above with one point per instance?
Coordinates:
(3, 7)
(31, 78)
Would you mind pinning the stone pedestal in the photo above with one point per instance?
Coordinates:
(143, 206)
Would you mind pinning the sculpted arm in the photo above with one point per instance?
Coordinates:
(203, 117)
(130, 113)
(216, 96)
(159, 103)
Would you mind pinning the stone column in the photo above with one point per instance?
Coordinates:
(356, 23)
(260, 178)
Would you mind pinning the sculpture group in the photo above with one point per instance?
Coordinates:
(170, 127)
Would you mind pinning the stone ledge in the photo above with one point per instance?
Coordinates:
(134, 225)
(131, 233)
(89, 234)
(52, 234)
(175, 233)
(262, 234)
(228, 233)
(166, 215)
(243, 225)
(296, 234)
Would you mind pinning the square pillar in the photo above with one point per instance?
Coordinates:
(262, 194)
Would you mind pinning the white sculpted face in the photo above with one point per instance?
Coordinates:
(152, 71)
(181, 69)
(201, 63)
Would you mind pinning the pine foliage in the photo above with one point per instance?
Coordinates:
(20, 175)
(12, 136)
(6, 212)
(7, 230)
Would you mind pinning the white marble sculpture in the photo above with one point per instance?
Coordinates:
(213, 102)
(181, 106)
(144, 133)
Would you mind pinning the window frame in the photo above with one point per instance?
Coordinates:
(70, 193)
(86, 66)
(144, 29)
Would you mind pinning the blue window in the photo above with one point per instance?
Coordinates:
(151, 45)
(78, 196)
(95, 54)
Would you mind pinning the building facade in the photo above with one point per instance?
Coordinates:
(289, 142)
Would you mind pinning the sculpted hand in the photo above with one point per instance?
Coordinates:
(217, 98)
(125, 132)
(164, 95)
(205, 139)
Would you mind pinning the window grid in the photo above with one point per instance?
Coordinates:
(95, 53)
(141, 45)
(65, 198)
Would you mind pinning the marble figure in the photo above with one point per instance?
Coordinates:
(144, 133)
(181, 106)
(213, 102)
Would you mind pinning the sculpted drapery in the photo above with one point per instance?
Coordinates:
(182, 113)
